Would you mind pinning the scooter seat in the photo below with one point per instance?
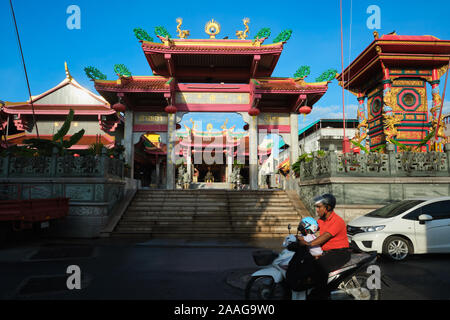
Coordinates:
(355, 259)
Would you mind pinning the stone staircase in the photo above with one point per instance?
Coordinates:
(207, 214)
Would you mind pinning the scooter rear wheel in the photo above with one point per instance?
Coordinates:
(264, 288)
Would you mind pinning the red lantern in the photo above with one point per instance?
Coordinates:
(305, 110)
(178, 126)
(119, 107)
(170, 109)
(253, 112)
(246, 127)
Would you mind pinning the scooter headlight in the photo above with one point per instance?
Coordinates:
(372, 228)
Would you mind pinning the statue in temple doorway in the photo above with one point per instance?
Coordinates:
(209, 176)
(186, 180)
(181, 171)
(236, 178)
(196, 174)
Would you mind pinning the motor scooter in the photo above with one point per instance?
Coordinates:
(350, 282)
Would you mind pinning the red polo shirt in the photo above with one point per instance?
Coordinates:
(335, 226)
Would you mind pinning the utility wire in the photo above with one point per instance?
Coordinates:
(24, 68)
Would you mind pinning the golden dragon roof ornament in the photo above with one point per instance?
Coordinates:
(243, 34)
(182, 34)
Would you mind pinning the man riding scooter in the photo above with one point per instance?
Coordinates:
(333, 240)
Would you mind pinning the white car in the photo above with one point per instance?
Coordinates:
(402, 228)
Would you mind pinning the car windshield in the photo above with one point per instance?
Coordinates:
(394, 209)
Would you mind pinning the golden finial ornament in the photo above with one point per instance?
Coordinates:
(224, 126)
(194, 126)
(68, 75)
(243, 34)
(182, 34)
(376, 35)
(212, 28)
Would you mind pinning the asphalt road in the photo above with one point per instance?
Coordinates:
(173, 270)
(421, 277)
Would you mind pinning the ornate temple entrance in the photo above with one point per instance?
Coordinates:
(209, 75)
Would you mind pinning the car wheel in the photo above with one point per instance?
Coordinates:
(397, 248)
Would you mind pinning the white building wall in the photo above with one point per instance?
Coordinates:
(322, 138)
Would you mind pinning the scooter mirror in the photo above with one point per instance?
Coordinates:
(289, 228)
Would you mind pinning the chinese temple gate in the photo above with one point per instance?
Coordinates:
(208, 75)
(390, 80)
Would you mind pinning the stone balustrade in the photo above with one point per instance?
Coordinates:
(61, 166)
(94, 184)
(363, 182)
(390, 164)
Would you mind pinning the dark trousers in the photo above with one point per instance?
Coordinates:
(330, 261)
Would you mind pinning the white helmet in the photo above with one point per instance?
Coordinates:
(308, 223)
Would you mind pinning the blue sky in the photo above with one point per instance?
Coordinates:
(106, 38)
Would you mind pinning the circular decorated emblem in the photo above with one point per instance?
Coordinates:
(376, 106)
(212, 28)
(409, 99)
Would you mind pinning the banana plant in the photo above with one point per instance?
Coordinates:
(45, 147)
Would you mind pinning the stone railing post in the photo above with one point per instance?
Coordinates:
(54, 162)
(6, 165)
(104, 170)
(390, 148)
(447, 152)
(333, 165)
(301, 176)
(314, 165)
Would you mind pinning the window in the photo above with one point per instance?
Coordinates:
(414, 215)
(394, 209)
(438, 210)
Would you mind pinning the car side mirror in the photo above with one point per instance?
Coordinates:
(424, 218)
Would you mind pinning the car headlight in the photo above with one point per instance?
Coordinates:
(372, 228)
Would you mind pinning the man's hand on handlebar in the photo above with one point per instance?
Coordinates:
(301, 241)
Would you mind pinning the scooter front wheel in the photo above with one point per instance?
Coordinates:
(264, 288)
